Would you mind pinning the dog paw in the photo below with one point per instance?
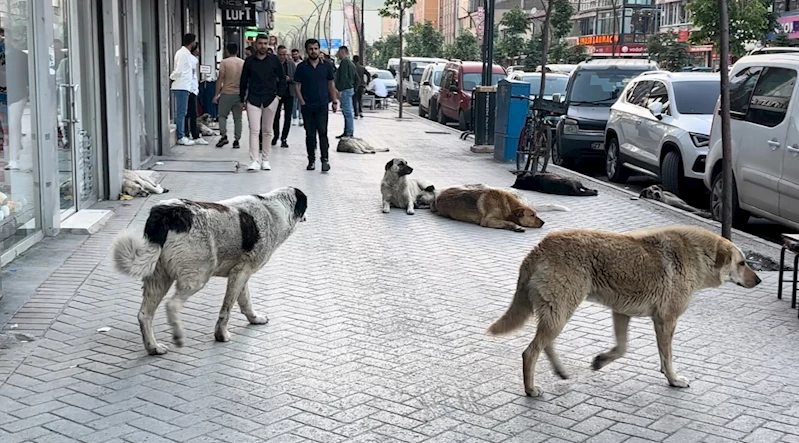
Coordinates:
(222, 335)
(600, 361)
(430, 188)
(386, 210)
(562, 374)
(178, 340)
(410, 212)
(679, 382)
(258, 320)
(535, 391)
(157, 350)
(519, 229)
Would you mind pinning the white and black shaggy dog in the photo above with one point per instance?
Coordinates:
(187, 242)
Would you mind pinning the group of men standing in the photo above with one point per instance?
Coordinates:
(266, 85)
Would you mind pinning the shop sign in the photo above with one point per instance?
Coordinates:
(682, 36)
(701, 48)
(231, 4)
(606, 39)
(235, 18)
(621, 50)
(790, 25)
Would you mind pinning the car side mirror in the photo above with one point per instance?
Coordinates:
(453, 88)
(656, 108)
(425, 83)
(556, 97)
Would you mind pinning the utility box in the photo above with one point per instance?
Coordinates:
(483, 114)
(510, 117)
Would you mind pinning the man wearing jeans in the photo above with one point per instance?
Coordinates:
(313, 81)
(183, 77)
(261, 79)
(227, 94)
(346, 82)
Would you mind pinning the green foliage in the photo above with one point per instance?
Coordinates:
(516, 21)
(382, 50)
(670, 54)
(560, 20)
(533, 49)
(465, 47)
(424, 40)
(782, 40)
(575, 54)
(749, 21)
(391, 8)
(510, 46)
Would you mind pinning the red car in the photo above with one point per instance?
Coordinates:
(455, 96)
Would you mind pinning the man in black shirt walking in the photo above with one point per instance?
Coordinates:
(315, 89)
(286, 97)
(261, 79)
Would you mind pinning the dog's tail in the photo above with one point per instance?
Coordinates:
(520, 308)
(135, 256)
(551, 208)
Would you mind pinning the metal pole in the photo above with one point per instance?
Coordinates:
(362, 39)
(726, 137)
(488, 42)
(399, 86)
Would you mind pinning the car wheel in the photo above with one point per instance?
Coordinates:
(557, 157)
(614, 169)
(432, 111)
(739, 216)
(671, 173)
(463, 125)
(421, 110)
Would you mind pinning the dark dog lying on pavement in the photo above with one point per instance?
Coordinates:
(552, 184)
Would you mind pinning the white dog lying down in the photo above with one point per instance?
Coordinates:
(135, 184)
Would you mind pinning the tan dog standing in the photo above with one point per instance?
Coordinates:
(648, 273)
(487, 207)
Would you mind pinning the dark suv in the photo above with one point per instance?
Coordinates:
(593, 88)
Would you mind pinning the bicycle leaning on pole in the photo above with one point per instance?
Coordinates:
(535, 139)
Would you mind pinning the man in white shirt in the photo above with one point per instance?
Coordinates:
(184, 81)
(377, 88)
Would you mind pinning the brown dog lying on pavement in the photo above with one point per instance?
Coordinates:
(486, 206)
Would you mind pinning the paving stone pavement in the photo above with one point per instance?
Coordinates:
(376, 329)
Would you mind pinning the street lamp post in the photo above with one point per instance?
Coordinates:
(488, 42)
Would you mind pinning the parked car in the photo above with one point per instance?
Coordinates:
(387, 78)
(555, 83)
(392, 66)
(430, 83)
(660, 126)
(515, 68)
(774, 50)
(764, 101)
(593, 88)
(455, 95)
(412, 69)
(559, 68)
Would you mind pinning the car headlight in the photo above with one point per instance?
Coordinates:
(700, 140)
(570, 126)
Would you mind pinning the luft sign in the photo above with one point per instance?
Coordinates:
(235, 18)
(231, 4)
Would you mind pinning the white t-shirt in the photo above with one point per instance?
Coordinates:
(378, 87)
(184, 77)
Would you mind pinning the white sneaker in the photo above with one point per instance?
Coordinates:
(185, 142)
(254, 166)
(200, 141)
(294, 122)
(266, 166)
(302, 123)
(12, 166)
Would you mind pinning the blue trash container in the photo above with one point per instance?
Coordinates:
(511, 114)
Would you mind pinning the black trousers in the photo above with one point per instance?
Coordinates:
(357, 101)
(191, 117)
(315, 120)
(287, 105)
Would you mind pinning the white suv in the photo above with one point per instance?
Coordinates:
(764, 103)
(430, 84)
(660, 126)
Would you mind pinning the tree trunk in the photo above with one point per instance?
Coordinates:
(615, 37)
(726, 146)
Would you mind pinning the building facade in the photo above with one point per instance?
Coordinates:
(426, 11)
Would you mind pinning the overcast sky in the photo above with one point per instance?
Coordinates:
(287, 9)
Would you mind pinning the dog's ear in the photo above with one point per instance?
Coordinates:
(389, 164)
(723, 254)
(430, 188)
(518, 212)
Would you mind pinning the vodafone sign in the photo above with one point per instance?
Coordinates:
(631, 50)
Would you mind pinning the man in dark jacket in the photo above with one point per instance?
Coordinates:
(363, 80)
(261, 79)
(286, 97)
(346, 82)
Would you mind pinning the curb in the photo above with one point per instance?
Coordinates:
(773, 248)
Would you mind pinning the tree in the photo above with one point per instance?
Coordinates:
(396, 9)
(424, 40)
(516, 24)
(465, 47)
(382, 50)
(749, 20)
(533, 49)
(671, 55)
(561, 20)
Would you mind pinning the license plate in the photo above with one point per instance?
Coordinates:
(597, 145)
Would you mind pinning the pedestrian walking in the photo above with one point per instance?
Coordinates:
(296, 116)
(346, 83)
(286, 95)
(363, 80)
(227, 94)
(313, 82)
(261, 79)
(191, 109)
(248, 51)
(183, 77)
